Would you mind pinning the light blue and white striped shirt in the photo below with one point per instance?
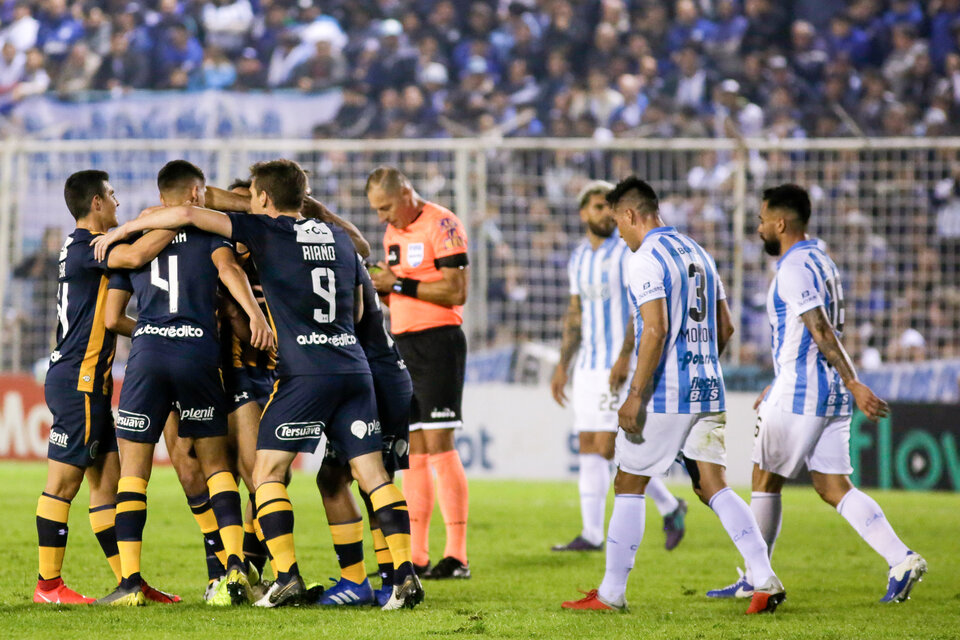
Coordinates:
(670, 265)
(805, 382)
(599, 278)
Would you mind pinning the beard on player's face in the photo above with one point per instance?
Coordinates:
(604, 227)
(771, 245)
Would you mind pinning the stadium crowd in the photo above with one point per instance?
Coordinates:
(429, 68)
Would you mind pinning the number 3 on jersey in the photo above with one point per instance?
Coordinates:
(172, 283)
(325, 286)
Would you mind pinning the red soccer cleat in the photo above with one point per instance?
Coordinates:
(155, 595)
(592, 602)
(767, 598)
(54, 591)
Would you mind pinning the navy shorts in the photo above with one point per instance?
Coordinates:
(82, 425)
(305, 407)
(248, 384)
(394, 391)
(157, 383)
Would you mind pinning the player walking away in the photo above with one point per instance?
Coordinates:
(676, 399)
(598, 325)
(325, 384)
(78, 386)
(174, 361)
(804, 416)
(425, 280)
(394, 392)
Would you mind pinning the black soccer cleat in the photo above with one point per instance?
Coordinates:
(578, 544)
(448, 568)
(406, 595)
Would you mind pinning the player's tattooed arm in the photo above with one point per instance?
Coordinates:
(232, 275)
(820, 328)
(621, 367)
(313, 208)
(653, 338)
(725, 326)
(572, 334)
(139, 253)
(115, 313)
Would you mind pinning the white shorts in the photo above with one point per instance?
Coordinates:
(699, 436)
(594, 407)
(784, 441)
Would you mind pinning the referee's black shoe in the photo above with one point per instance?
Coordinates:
(448, 568)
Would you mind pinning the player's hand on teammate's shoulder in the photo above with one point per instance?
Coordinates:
(868, 402)
(261, 337)
(382, 277)
(557, 385)
(150, 210)
(759, 400)
(619, 373)
(632, 414)
(102, 242)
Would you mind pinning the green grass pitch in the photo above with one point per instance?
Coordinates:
(833, 579)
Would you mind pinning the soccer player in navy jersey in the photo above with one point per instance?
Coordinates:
(79, 386)
(174, 361)
(325, 384)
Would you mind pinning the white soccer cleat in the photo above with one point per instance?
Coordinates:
(903, 577)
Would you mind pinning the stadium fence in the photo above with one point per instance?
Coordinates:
(888, 209)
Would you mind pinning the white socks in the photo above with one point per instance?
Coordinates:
(741, 526)
(661, 496)
(594, 485)
(623, 538)
(767, 508)
(865, 515)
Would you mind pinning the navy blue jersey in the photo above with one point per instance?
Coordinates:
(177, 295)
(309, 272)
(372, 333)
(85, 348)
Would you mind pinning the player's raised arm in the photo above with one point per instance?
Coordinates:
(653, 338)
(232, 275)
(223, 200)
(313, 208)
(139, 253)
(821, 329)
(572, 333)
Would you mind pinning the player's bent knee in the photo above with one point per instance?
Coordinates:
(626, 483)
(369, 471)
(331, 479)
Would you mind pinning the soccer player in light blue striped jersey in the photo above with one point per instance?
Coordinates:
(598, 324)
(804, 416)
(676, 400)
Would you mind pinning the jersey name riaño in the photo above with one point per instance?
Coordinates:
(85, 348)
(177, 296)
(670, 265)
(805, 383)
(309, 273)
(599, 278)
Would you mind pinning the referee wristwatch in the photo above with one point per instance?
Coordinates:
(406, 287)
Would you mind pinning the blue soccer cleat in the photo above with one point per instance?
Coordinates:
(739, 589)
(347, 593)
(383, 594)
(903, 577)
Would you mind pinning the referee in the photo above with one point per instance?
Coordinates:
(424, 282)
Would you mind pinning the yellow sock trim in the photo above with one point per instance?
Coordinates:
(220, 482)
(283, 551)
(52, 509)
(354, 573)
(51, 562)
(400, 551)
(132, 484)
(102, 519)
(129, 556)
(248, 527)
(347, 532)
(206, 520)
(385, 496)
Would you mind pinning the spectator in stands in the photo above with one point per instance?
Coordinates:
(35, 79)
(180, 58)
(723, 47)
(251, 74)
(689, 27)
(22, 30)
(564, 32)
(396, 64)
(846, 39)
(946, 14)
(519, 85)
(266, 30)
(12, 63)
(907, 47)
(433, 80)
(767, 25)
(76, 73)
(227, 24)
(809, 53)
(283, 61)
(630, 112)
(121, 68)
(217, 72)
(58, 30)
(691, 83)
(325, 69)
(97, 31)
(357, 114)
(600, 100)
(39, 271)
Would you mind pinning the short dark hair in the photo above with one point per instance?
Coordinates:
(283, 180)
(239, 183)
(648, 197)
(790, 197)
(177, 174)
(80, 188)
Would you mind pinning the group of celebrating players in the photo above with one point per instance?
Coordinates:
(239, 379)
